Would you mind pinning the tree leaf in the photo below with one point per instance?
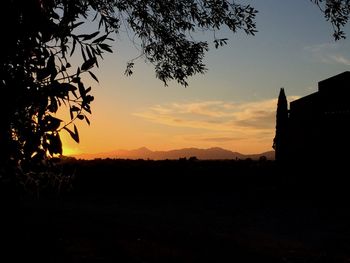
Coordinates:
(51, 123)
(55, 143)
(71, 114)
(74, 135)
(87, 120)
(49, 70)
(74, 94)
(77, 24)
(53, 107)
(89, 36)
(89, 52)
(100, 39)
(88, 64)
(74, 108)
(43, 73)
(83, 53)
(73, 47)
(88, 90)
(93, 76)
(67, 87)
(106, 47)
(76, 80)
(82, 90)
(87, 108)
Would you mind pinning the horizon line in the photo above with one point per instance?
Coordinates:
(186, 155)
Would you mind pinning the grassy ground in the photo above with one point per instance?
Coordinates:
(248, 213)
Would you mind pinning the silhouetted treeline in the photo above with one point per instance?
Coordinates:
(250, 178)
(146, 176)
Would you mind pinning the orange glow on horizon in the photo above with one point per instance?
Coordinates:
(69, 151)
(70, 148)
(247, 128)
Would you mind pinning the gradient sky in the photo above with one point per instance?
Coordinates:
(233, 105)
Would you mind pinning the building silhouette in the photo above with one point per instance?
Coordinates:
(317, 126)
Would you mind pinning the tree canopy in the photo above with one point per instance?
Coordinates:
(337, 12)
(37, 77)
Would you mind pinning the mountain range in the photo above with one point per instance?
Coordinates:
(214, 153)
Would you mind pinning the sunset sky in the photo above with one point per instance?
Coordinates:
(233, 105)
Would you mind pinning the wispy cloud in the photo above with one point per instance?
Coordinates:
(239, 120)
(248, 126)
(321, 48)
(340, 59)
(211, 139)
(330, 53)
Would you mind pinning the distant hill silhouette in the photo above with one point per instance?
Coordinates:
(214, 153)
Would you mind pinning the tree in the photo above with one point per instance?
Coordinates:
(280, 142)
(337, 12)
(37, 77)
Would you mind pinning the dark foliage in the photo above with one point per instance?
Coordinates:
(337, 12)
(281, 126)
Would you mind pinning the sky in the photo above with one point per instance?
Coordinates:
(233, 105)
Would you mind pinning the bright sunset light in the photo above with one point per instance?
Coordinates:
(232, 106)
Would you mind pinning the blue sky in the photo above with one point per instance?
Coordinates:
(233, 104)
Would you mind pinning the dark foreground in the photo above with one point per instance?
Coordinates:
(181, 211)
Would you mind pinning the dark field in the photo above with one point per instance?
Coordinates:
(186, 211)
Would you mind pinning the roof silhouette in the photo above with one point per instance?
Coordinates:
(317, 124)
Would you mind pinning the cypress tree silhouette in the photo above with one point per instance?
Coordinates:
(281, 138)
